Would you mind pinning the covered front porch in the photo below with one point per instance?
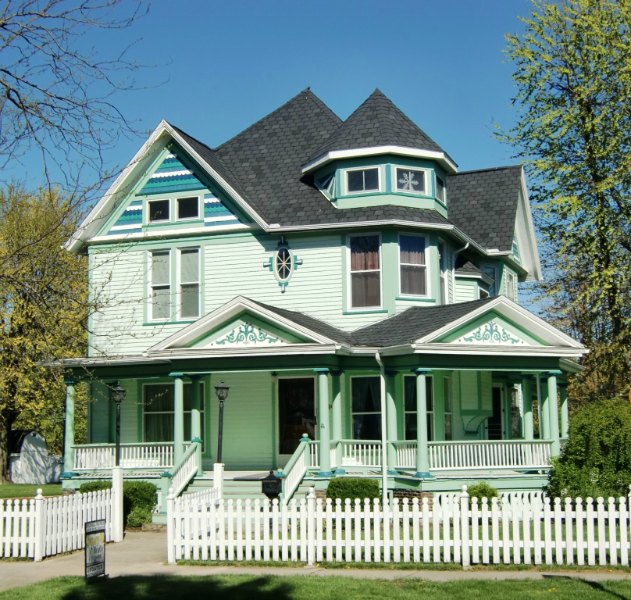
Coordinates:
(475, 389)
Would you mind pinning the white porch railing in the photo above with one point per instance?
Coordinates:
(185, 471)
(406, 454)
(359, 453)
(294, 471)
(103, 456)
(506, 454)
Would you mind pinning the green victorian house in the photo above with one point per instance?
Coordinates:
(343, 280)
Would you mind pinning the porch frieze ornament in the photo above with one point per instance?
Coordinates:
(491, 333)
(246, 333)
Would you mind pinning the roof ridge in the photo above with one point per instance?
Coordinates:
(486, 169)
(306, 93)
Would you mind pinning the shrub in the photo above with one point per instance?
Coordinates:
(482, 490)
(596, 460)
(94, 486)
(352, 487)
(138, 516)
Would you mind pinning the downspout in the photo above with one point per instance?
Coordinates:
(384, 447)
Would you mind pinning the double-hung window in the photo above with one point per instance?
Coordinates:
(160, 283)
(189, 292)
(365, 271)
(362, 180)
(412, 262)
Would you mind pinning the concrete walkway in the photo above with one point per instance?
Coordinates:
(144, 553)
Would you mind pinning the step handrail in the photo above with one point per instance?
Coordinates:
(295, 469)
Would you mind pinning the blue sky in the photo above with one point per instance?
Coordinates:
(218, 66)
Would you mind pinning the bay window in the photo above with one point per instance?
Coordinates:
(365, 271)
(412, 265)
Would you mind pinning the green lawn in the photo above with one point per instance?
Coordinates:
(25, 490)
(234, 587)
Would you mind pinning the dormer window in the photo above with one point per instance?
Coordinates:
(159, 210)
(411, 181)
(362, 180)
(441, 189)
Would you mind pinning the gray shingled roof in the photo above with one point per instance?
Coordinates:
(377, 122)
(483, 204)
(264, 165)
(413, 323)
(403, 328)
(468, 267)
(315, 325)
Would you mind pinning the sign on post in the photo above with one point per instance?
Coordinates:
(94, 549)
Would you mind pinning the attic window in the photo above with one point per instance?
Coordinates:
(159, 210)
(188, 208)
(326, 185)
(362, 180)
(411, 181)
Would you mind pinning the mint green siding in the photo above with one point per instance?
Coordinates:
(249, 429)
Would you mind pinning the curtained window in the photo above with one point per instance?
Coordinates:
(366, 408)
(158, 403)
(365, 271)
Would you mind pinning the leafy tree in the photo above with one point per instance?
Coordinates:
(57, 91)
(573, 78)
(43, 309)
(596, 461)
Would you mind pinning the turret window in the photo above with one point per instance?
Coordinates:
(411, 181)
(362, 180)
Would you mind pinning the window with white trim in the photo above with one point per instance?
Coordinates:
(169, 210)
(441, 189)
(511, 285)
(160, 284)
(412, 265)
(189, 292)
(159, 411)
(362, 180)
(409, 396)
(366, 408)
(365, 271)
(410, 181)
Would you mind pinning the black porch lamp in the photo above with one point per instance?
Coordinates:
(117, 395)
(221, 389)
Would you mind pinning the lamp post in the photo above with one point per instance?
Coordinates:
(221, 389)
(117, 394)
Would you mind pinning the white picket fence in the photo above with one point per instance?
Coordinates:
(455, 530)
(39, 527)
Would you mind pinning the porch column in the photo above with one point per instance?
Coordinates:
(422, 448)
(554, 412)
(336, 414)
(196, 420)
(526, 396)
(178, 417)
(565, 413)
(544, 410)
(69, 426)
(324, 431)
(391, 423)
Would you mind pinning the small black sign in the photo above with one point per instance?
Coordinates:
(94, 549)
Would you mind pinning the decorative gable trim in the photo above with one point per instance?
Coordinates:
(522, 319)
(241, 322)
(491, 333)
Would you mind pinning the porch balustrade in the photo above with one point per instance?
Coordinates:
(133, 456)
(489, 455)
(359, 453)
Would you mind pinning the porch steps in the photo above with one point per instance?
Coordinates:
(238, 485)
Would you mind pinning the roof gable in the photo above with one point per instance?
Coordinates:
(244, 324)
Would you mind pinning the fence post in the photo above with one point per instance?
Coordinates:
(165, 486)
(218, 478)
(39, 526)
(464, 527)
(311, 537)
(117, 504)
(170, 506)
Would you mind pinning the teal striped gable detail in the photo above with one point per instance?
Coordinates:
(171, 176)
(216, 214)
(130, 221)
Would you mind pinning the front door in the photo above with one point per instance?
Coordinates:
(296, 414)
(496, 420)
